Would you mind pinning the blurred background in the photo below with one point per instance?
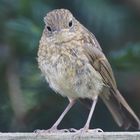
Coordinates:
(26, 101)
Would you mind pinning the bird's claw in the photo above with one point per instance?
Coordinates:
(98, 130)
(51, 130)
(82, 130)
(73, 130)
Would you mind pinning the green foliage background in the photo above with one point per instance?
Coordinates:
(26, 101)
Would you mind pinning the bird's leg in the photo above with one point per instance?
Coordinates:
(71, 103)
(86, 127)
(54, 127)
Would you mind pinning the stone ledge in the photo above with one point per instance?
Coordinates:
(72, 136)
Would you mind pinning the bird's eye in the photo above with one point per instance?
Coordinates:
(49, 28)
(70, 23)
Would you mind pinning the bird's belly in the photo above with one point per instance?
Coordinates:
(72, 81)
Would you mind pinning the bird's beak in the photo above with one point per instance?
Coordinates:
(63, 35)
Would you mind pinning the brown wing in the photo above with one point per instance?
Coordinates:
(101, 64)
(90, 38)
(97, 59)
(120, 110)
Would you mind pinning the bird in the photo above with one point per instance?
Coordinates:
(74, 65)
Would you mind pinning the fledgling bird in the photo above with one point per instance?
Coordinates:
(75, 66)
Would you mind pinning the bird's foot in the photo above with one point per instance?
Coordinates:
(46, 131)
(84, 129)
(80, 133)
(51, 130)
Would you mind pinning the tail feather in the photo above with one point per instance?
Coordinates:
(120, 110)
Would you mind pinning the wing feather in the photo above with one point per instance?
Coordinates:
(101, 64)
(122, 113)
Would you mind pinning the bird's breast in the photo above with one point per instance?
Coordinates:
(69, 72)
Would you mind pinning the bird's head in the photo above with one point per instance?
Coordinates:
(60, 25)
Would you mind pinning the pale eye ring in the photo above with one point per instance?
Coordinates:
(70, 23)
(49, 28)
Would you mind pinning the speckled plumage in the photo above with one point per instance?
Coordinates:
(68, 70)
(74, 65)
